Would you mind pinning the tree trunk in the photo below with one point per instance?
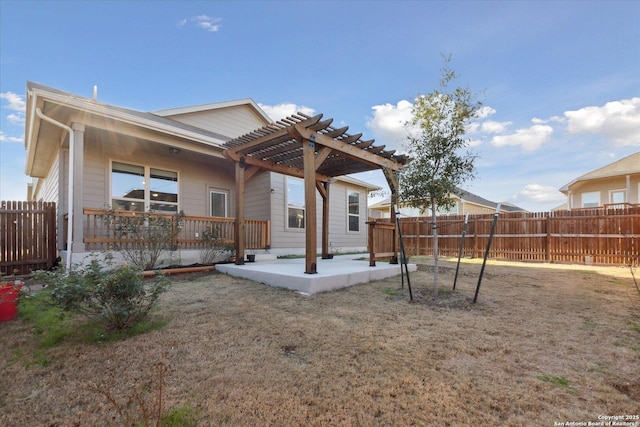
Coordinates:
(434, 229)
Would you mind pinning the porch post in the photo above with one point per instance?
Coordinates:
(311, 232)
(239, 223)
(78, 188)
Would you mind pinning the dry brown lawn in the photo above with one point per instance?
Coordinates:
(544, 344)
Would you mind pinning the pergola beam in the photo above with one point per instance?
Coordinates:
(348, 149)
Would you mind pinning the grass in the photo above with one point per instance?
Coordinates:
(243, 353)
(180, 416)
(51, 327)
(554, 379)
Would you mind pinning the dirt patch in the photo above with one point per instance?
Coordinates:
(544, 344)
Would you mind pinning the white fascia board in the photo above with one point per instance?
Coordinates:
(215, 106)
(105, 110)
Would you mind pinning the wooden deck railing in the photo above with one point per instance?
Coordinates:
(98, 235)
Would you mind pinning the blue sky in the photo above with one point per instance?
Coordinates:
(559, 81)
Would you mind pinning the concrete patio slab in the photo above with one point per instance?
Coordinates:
(340, 272)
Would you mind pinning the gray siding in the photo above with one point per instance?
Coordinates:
(231, 121)
(257, 200)
(196, 175)
(49, 185)
(284, 238)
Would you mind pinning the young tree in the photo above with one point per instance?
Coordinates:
(440, 161)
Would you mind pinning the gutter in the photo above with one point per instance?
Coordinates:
(70, 190)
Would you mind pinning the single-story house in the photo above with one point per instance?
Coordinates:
(86, 155)
(614, 185)
(465, 203)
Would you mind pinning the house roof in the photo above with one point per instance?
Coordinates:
(215, 106)
(625, 166)
(63, 104)
(50, 99)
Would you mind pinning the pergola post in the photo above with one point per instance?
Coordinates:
(311, 233)
(239, 223)
(324, 191)
(392, 180)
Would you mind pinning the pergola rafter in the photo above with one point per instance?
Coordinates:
(310, 148)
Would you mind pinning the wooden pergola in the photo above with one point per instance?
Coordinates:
(309, 148)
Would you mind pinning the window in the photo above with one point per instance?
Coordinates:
(591, 200)
(617, 196)
(353, 216)
(295, 203)
(218, 203)
(140, 188)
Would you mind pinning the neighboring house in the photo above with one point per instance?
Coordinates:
(617, 184)
(465, 202)
(85, 154)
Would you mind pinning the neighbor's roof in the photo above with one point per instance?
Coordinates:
(467, 197)
(626, 165)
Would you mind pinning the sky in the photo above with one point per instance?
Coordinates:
(559, 81)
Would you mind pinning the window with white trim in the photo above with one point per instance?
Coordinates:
(591, 199)
(617, 196)
(142, 188)
(295, 203)
(218, 203)
(353, 212)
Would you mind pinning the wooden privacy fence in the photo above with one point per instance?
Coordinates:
(381, 240)
(590, 236)
(27, 237)
(99, 235)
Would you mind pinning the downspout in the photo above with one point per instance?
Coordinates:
(70, 190)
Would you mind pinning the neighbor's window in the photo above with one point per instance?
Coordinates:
(140, 188)
(354, 211)
(218, 203)
(295, 203)
(617, 196)
(591, 199)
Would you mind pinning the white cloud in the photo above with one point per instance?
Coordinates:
(484, 112)
(388, 123)
(617, 121)
(280, 111)
(16, 119)
(491, 126)
(537, 193)
(16, 102)
(18, 106)
(207, 23)
(529, 139)
(5, 138)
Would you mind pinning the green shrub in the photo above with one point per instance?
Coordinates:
(141, 237)
(214, 245)
(119, 296)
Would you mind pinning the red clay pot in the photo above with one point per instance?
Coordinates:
(8, 300)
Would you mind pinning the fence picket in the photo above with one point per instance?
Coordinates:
(27, 236)
(599, 236)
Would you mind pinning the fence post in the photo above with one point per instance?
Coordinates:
(547, 255)
(475, 237)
